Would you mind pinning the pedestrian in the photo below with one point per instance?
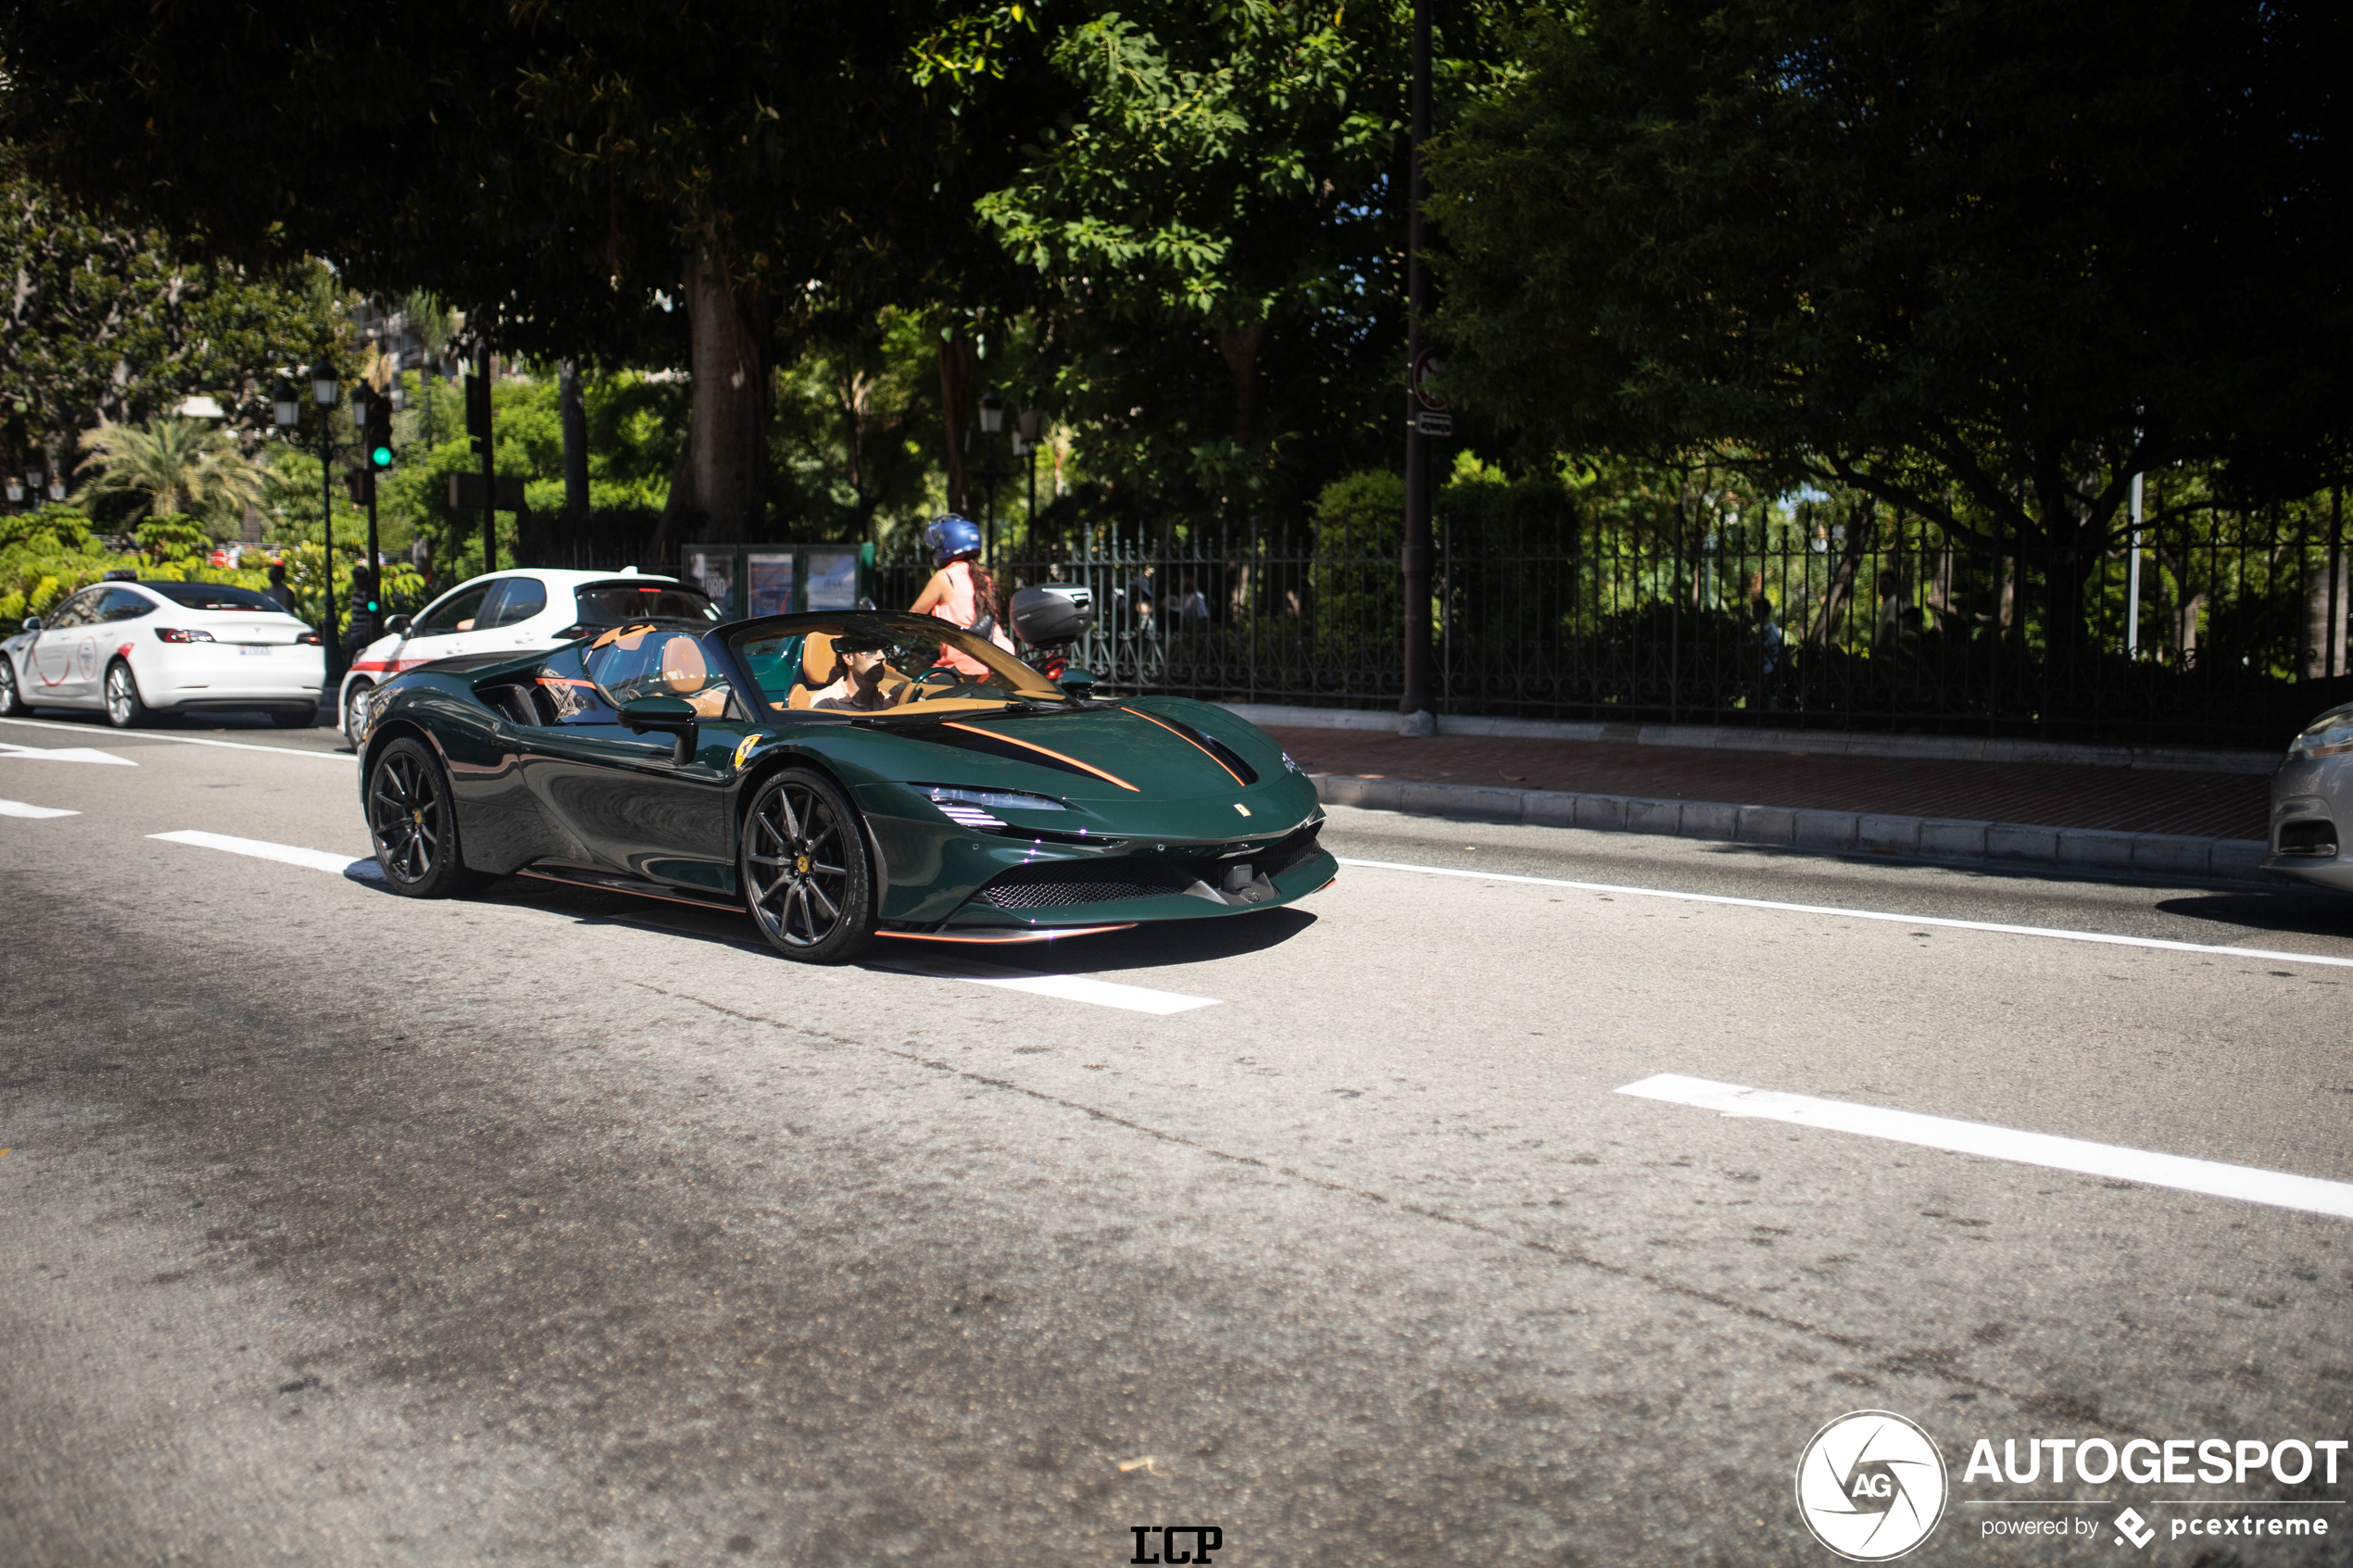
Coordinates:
(960, 591)
(278, 593)
(1771, 645)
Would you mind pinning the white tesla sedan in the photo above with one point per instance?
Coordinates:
(517, 610)
(134, 649)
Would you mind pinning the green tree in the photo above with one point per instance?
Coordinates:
(586, 178)
(108, 319)
(1224, 193)
(174, 463)
(1981, 262)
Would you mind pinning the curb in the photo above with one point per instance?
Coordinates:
(1813, 742)
(1924, 838)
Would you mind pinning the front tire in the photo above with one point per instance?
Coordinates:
(355, 710)
(805, 869)
(11, 700)
(412, 820)
(124, 709)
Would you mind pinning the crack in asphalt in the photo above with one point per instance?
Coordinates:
(1926, 1361)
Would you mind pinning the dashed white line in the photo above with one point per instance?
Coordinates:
(63, 754)
(1068, 987)
(1998, 927)
(18, 809)
(261, 850)
(191, 740)
(2247, 1183)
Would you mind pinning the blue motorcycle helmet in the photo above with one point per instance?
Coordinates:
(951, 536)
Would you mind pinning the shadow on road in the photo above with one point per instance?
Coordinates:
(1145, 946)
(2314, 913)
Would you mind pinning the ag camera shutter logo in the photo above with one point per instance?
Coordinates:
(1872, 1486)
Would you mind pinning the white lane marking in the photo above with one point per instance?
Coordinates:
(2051, 932)
(1069, 987)
(260, 849)
(2277, 1188)
(193, 740)
(18, 809)
(63, 754)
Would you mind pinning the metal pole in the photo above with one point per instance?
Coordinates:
(2337, 570)
(1414, 560)
(489, 467)
(2132, 581)
(375, 590)
(327, 498)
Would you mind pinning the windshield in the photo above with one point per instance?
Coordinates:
(212, 596)
(886, 665)
(619, 603)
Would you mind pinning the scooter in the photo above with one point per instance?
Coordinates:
(1049, 617)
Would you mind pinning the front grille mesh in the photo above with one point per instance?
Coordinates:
(1062, 886)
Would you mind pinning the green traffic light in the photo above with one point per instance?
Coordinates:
(381, 456)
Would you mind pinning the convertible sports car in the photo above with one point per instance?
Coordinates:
(833, 774)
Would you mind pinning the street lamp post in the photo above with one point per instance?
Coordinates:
(993, 420)
(1414, 707)
(1025, 446)
(323, 392)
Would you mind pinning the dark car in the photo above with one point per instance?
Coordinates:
(840, 777)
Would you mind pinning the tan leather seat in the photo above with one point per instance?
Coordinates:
(686, 673)
(820, 668)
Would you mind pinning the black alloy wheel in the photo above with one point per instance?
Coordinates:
(413, 825)
(805, 871)
(11, 700)
(124, 709)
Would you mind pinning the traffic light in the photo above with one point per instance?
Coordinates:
(478, 407)
(354, 484)
(376, 443)
(363, 588)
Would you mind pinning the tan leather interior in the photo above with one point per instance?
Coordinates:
(682, 668)
(821, 666)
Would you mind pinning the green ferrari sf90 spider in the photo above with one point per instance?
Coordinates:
(844, 776)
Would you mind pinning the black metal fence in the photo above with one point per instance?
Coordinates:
(1832, 618)
(1861, 620)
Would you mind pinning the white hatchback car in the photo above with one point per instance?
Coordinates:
(134, 649)
(515, 610)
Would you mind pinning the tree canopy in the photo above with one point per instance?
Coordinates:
(1982, 261)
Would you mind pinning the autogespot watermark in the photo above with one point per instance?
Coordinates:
(1872, 1486)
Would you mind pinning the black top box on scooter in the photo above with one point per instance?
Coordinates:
(1053, 612)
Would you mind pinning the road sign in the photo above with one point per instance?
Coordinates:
(465, 493)
(1431, 423)
(1422, 379)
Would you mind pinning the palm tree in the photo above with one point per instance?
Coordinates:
(177, 464)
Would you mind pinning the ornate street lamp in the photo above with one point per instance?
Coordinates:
(324, 389)
(993, 420)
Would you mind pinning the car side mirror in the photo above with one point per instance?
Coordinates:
(1077, 682)
(33, 624)
(398, 623)
(673, 715)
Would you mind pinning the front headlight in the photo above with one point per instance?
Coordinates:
(988, 800)
(2328, 735)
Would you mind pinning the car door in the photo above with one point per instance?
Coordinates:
(621, 796)
(446, 627)
(65, 656)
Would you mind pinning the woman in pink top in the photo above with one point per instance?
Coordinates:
(961, 592)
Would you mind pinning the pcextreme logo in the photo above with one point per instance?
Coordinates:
(1870, 1486)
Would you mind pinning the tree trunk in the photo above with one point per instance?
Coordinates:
(957, 369)
(720, 497)
(575, 423)
(1239, 344)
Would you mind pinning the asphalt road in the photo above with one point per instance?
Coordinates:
(554, 1227)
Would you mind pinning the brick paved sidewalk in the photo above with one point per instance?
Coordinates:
(2203, 805)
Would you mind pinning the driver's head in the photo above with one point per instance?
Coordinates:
(862, 661)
